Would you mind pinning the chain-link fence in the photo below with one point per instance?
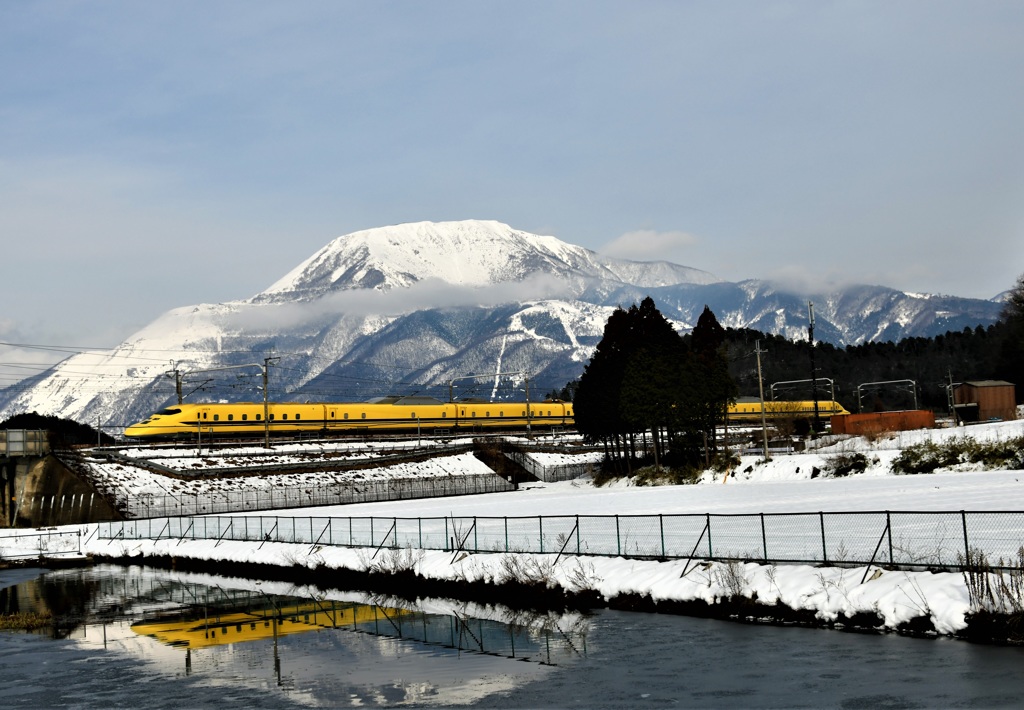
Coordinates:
(339, 493)
(17, 545)
(549, 474)
(904, 539)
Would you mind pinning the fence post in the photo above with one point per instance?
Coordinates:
(764, 540)
(711, 551)
(618, 539)
(419, 524)
(506, 533)
(824, 554)
(967, 549)
(540, 529)
(476, 544)
(888, 526)
(577, 534)
(661, 528)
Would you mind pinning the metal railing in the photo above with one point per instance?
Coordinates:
(550, 474)
(52, 543)
(926, 540)
(339, 493)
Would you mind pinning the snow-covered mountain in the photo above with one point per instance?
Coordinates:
(427, 306)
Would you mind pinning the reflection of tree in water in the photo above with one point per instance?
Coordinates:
(65, 597)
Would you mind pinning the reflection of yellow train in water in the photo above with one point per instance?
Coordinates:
(216, 629)
(748, 409)
(383, 414)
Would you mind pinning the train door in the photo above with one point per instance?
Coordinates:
(204, 425)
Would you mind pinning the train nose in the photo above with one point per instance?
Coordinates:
(136, 430)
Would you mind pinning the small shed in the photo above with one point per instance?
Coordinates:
(985, 400)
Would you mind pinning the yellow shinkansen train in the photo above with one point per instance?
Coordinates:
(380, 415)
(258, 624)
(750, 409)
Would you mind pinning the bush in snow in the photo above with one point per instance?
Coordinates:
(928, 456)
(844, 464)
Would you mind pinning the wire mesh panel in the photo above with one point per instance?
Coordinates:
(598, 535)
(681, 535)
(559, 533)
(641, 536)
(793, 537)
(999, 536)
(856, 537)
(489, 535)
(524, 534)
(927, 539)
(736, 537)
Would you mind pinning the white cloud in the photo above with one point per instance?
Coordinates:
(430, 293)
(650, 245)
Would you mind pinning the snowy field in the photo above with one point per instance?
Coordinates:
(781, 485)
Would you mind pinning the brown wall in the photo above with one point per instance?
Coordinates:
(994, 401)
(879, 422)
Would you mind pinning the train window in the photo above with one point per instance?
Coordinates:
(245, 417)
(167, 412)
(216, 417)
(284, 416)
(271, 417)
(501, 413)
(231, 417)
(364, 415)
(487, 414)
(463, 412)
(549, 412)
(259, 417)
(333, 414)
(346, 415)
(298, 416)
(412, 415)
(473, 413)
(522, 414)
(204, 415)
(444, 415)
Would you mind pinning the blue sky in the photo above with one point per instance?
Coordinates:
(155, 155)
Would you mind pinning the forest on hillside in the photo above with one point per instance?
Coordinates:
(930, 364)
(878, 376)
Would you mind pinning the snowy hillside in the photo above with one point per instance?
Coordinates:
(411, 307)
(468, 253)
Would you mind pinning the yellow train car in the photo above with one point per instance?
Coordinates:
(749, 410)
(380, 415)
(216, 629)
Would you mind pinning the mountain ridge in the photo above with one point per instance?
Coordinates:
(412, 307)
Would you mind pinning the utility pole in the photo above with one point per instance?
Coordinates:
(527, 381)
(760, 387)
(816, 427)
(176, 374)
(266, 401)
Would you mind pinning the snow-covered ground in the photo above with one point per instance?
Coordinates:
(784, 484)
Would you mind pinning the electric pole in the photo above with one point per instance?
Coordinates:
(266, 401)
(176, 374)
(760, 387)
(816, 427)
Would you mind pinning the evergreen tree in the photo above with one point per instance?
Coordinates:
(715, 386)
(1011, 353)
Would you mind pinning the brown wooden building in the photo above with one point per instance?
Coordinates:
(985, 400)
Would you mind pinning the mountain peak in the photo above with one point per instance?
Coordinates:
(470, 253)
